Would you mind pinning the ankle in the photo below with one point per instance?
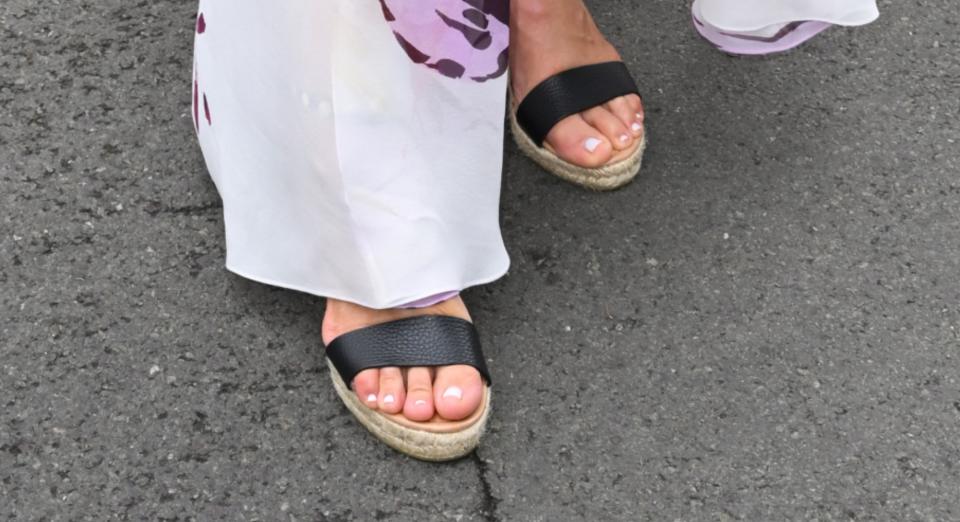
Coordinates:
(524, 11)
(331, 327)
(533, 16)
(340, 317)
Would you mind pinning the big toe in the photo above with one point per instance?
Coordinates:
(419, 404)
(578, 142)
(367, 386)
(457, 391)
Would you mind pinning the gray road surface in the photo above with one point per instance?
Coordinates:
(763, 327)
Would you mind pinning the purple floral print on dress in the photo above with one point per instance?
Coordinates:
(457, 38)
(197, 95)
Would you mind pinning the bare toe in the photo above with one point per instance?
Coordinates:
(628, 111)
(392, 394)
(610, 125)
(419, 404)
(574, 140)
(457, 391)
(636, 105)
(367, 385)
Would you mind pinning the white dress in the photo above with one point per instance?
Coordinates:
(772, 26)
(356, 144)
(754, 15)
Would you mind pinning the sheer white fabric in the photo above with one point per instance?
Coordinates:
(357, 148)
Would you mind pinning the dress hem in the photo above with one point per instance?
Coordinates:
(390, 304)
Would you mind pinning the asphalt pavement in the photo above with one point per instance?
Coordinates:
(764, 326)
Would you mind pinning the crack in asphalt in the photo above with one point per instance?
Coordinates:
(489, 505)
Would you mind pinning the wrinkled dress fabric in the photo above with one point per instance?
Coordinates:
(356, 144)
(756, 15)
(767, 16)
(758, 27)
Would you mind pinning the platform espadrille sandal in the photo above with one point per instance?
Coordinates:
(565, 94)
(430, 340)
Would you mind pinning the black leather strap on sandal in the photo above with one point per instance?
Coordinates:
(429, 340)
(571, 92)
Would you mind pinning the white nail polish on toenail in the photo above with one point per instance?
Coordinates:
(419, 402)
(639, 116)
(454, 392)
(372, 397)
(389, 399)
(624, 138)
(636, 127)
(591, 144)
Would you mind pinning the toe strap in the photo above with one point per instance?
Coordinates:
(430, 340)
(571, 92)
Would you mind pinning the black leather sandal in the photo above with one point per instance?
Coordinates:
(565, 94)
(430, 340)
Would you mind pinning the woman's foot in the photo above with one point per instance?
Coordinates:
(548, 37)
(452, 392)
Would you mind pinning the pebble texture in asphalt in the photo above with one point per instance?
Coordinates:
(762, 327)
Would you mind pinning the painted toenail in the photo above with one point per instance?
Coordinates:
(639, 115)
(636, 127)
(454, 392)
(372, 397)
(624, 138)
(591, 144)
(389, 399)
(419, 402)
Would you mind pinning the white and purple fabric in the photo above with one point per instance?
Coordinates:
(753, 27)
(357, 145)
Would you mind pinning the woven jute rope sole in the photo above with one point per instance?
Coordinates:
(607, 177)
(419, 444)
